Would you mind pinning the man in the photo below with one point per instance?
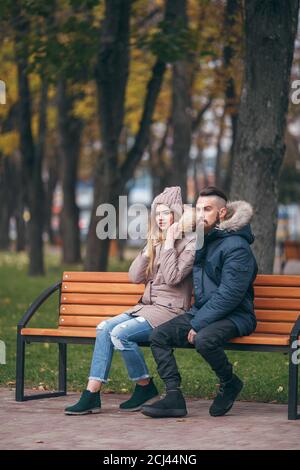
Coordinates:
(223, 275)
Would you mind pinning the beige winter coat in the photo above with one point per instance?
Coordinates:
(168, 289)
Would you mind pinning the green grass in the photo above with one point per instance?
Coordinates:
(265, 374)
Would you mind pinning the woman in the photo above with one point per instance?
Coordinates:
(165, 267)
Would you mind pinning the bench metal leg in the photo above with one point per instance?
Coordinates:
(62, 373)
(62, 365)
(293, 382)
(20, 368)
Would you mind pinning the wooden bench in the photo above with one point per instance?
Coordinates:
(291, 251)
(87, 298)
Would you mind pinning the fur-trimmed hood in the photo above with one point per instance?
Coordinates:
(239, 214)
(237, 222)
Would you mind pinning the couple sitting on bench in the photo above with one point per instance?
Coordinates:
(221, 271)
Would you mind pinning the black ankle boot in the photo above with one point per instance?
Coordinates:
(89, 402)
(141, 394)
(226, 396)
(172, 405)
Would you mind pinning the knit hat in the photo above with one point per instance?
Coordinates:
(171, 197)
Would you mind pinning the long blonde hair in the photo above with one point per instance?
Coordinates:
(155, 236)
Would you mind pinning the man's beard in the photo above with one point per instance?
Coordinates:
(208, 228)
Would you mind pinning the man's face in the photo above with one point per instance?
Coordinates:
(209, 212)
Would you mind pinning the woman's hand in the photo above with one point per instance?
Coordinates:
(173, 233)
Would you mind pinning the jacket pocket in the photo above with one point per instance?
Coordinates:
(174, 302)
(134, 309)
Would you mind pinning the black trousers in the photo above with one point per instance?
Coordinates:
(209, 343)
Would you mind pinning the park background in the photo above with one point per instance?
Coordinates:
(121, 97)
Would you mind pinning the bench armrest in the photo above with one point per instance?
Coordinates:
(37, 303)
(295, 331)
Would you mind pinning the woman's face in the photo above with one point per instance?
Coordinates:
(163, 216)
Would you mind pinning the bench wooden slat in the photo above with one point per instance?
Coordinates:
(100, 299)
(255, 338)
(277, 280)
(76, 332)
(112, 310)
(93, 321)
(84, 321)
(86, 276)
(274, 328)
(277, 304)
(259, 338)
(102, 288)
(277, 292)
(277, 316)
(108, 310)
(261, 279)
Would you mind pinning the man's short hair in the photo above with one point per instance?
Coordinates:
(213, 191)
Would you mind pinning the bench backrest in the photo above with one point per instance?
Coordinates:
(87, 298)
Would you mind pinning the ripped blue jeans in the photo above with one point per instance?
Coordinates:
(121, 333)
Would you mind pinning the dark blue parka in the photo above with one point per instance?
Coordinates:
(223, 274)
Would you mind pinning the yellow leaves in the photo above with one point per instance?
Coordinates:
(9, 142)
(41, 387)
(140, 72)
(8, 73)
(86, 108)
(52, 117)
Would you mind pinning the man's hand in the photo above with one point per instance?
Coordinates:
(191, 336)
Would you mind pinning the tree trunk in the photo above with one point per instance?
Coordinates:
(6, 203)
(13, 185)
(111, 78)
(19, 191)
(270, 34)
(218, 167)
(231, 99)
(36, 190)
(181, 113)
(21, 230)
(158, 167)
(50, 189)
(31, 156)
(70, 129)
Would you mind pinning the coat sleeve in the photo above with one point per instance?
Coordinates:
(176, 267)
(237, 274)
(137, 270)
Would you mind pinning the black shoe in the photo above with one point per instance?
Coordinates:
(171, 406)
(141, 394)
(226, 396)
(88, 403)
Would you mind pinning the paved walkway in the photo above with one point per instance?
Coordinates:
(42, 425)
